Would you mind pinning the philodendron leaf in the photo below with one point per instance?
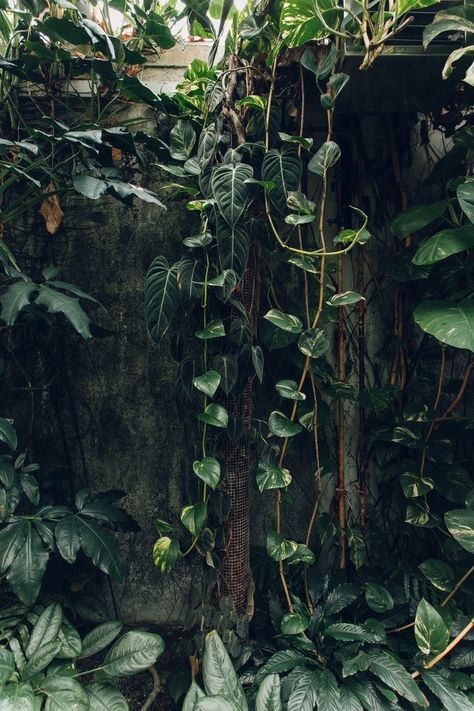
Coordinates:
(395, 676)
(306, 143)
(417, 217)
(282, 168)
(226, 366)
(287, 322)
(289, 389)
(294, 622)
(133, 653)
(233, 244)
(451, 323)
(460, 523)
(345, 298)
(302, 21)
(271, 476)
(17, 697)
(269, 694)
(209, 470)
(281, 425)
(327, 155)
(444, 244)
(413, 485)
(182, 140)
(215, 415)
(161, 297)
(194, 517)
(431, 632)
(313, 342)
(302, 554)
(419, 514)
(230, 190)
(439, 573)
(278, 547)
(378, 598)
(214, 329)
(195, 693)
(219, 675)
(105, 697)
(165, 554)
(207, 383)
(465, 195)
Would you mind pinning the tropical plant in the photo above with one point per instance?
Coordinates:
(43, 661)
(460, 21)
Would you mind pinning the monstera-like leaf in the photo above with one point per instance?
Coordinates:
(161, 297)
(449, 322)
(283, 169)
(230, 190)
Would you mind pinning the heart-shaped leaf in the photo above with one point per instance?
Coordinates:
(271, 476)
(313, 342)
(193, 517)
(278, 547)
(282, 168)
(214, 329)
(460, 523)
(161, 297)
(215, 415)
(165, 553)
(207, 383)
(289, 389)
(230, 190)
(287, 322)
(325, 158)
(209, 470)
(281, 426)
(451, 323)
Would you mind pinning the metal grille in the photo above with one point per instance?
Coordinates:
(235, 572)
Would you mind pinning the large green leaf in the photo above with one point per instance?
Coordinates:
(348, 632)
(304, 693)
(12, 538)
(378, 598)
(282, 661)
(233, 244)
(271, 476)
(431, 632)
(215, 415)
(219, 674)
(295, 622)
(327, 692)
(207, 383)
(450, 697)
(226, 366)
(64, 694)
(7, 665)
(165, 553)
(161, 297)
(439, 573)
(230, 190)
(366, 694)
(326, 156)
(71, 645)
(342, 596)
(68, 539)
(17, 697)
(269, 694)
(133, 653)
(313, 342)
(444, 244)
(209, 470)
(27, 569)
(58, 303)
(41, 659)
(289, 389)
(460, 523)
(182, 140)
(287, 322)
(189, 279)
(104, 697)
(282, 168)
(193, 517)
(278, 547)
(100, 637)
(46, 628)
(415, 218)
(395, 676)
(305, 20)
(448, 322)
(14, 298)
(102, 547)
(349, 701)
(453, 19)
(8, 434)
(465, 195)
(281, 425)
(192, 697)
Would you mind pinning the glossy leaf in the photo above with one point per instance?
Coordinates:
(341, 597)
(439, 573)
(460, 523)
(326, 156)
(233, 244)
(294, 622)
(444, 244)
(133, 653)
(194, 517)
(304, 20)
(378, 598)
(219, 675)
(214, 329)
(102, 547)
(282, 168)
(281, 426)
(313, 342)
(215, 415)
(209, 470)
(226, 366)
(182, 140)
(165, 554)
(12, 538)
(230, 190)
(64, 694)
(431, 632)
(271, 476)
(100, 637)
(68, 539)
(17, 697)
(46, 628)
(465, 195)
(27, 569)
(278, 547)
(207, 383)
(189, 279)
(289, 389)
(105, 697)
(450, 697)
(269, 694)
(448, 322)
(395, 676)
(195, 693)
(415, 218)
(327, 692)
(161, 297)
(258, 362)
(304, 693)
(345, 298)
(7, 665)
(414, 486)
(287, 322)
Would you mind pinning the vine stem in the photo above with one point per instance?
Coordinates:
(464, 632)
(341, 374)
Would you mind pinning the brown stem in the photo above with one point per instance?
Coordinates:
(341, 374)
(448, 649)
(154, 692)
